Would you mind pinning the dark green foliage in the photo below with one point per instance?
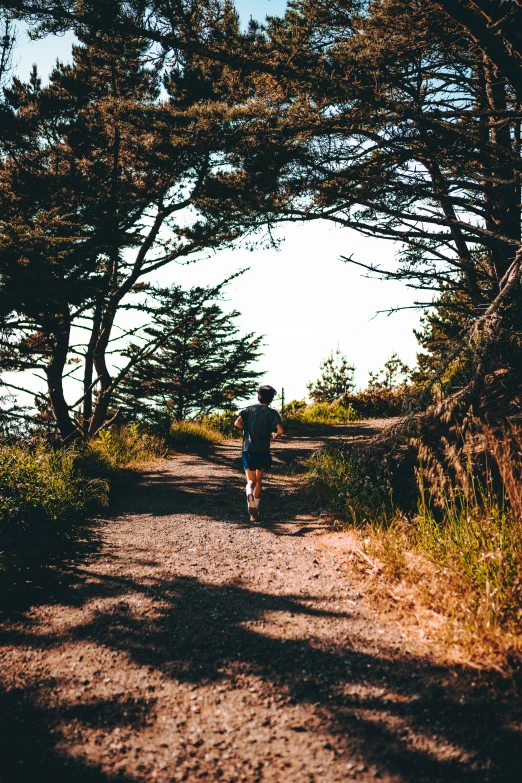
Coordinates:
(201, 365)
(104, 175)
(43, 497)
(7, 45)
(495, 27)
(440, 335)
(342, 483)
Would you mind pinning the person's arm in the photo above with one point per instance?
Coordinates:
(279, 431)
(239, 422)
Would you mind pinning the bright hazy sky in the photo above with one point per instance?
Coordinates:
(301, 297)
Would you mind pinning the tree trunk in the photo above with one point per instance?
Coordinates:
(505, 200)
(88, 389)
(103, 399)
(506, 59)
(54, 372)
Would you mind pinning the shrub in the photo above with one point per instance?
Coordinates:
(294, 408)
(341, 484)
(113, 450)
(43, 495)
(186, 434)
(223, 423)
(383, 402)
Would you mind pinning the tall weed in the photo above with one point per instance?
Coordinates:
(341, 484)
(481, 549)
(114, 450)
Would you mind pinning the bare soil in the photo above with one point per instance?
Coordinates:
(185, 643)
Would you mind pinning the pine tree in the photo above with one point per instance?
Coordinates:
(336, 380)
(394, 374)
(101, 178)
(202, 363)
(440, 336)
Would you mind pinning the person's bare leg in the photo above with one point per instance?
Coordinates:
(251, 481)
(258, 488)
(250, 490)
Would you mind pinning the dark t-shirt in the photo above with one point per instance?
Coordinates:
(259, 422)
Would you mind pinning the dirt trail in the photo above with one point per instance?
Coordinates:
(185, 643)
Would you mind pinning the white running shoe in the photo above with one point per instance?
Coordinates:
(252, 508)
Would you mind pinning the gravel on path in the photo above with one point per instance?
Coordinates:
(186, 643)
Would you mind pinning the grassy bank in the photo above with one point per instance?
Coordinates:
(462, 559)
(123, 448)
(47, 494)
(44, 499)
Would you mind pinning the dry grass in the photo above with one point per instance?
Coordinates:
(186, 434)
(424, 597)
(114, 450)
(459, 557)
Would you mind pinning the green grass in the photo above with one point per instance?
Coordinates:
(339, 483)
(46, 494)
(318, 414)
(43, 497)
(223, 423)
(481, 548)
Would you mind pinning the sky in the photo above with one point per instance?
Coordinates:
(302, 297)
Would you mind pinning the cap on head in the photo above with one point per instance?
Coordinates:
(266, 394)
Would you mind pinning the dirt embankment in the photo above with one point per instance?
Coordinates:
(186, 644)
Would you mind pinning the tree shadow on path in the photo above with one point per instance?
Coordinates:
(370, 704)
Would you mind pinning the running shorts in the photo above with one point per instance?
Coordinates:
(256, 460)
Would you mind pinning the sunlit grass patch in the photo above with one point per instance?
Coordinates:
(481, 548)
(113, 450)
(317, 414)
(185, 434)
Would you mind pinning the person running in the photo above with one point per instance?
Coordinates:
(260, 424)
